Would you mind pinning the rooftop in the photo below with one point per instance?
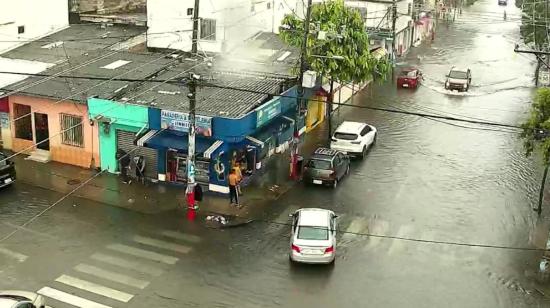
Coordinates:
(211, 101)
(75, 41)
(123, 65)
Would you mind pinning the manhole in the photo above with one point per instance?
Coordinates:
(73, 182)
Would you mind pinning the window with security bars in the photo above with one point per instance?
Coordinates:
(72, 130)
(208, 29)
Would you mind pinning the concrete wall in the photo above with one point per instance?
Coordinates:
(79, 156)
(236, 21)
(39, 18)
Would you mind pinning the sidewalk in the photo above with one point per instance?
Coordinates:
(266, 186)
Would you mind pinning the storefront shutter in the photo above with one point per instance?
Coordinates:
(125, 141)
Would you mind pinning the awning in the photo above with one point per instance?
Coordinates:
(170, 140)
(140, 142)
(255, 141)
(216, 145)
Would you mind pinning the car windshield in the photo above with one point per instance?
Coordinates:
(408, 73)
(345, 136)
(313, 233)
(319, 164)
(458, 75)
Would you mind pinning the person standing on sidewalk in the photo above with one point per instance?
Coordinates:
(140, 168)
(233, 181)
(123, 160)
(239, 174)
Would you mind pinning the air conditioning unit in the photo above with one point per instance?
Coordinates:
(309, 79)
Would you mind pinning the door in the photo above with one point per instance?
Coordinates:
(41, 131)
(125, 141)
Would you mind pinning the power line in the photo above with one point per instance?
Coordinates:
(483, 122)
(417, 240)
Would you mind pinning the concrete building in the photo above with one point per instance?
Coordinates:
(24, 20)
(128, 12)
(224, 24)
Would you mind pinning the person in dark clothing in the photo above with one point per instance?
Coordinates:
(140, 168)
(198, 194)
(123, 160)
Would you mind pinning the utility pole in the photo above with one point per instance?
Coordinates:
(194, 43)
(301, 101)
(394, 20)
(190, 191)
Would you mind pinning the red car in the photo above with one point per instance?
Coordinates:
(409, 78)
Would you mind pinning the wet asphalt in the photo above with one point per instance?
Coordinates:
(426, 179)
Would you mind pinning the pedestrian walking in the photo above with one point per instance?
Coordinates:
(233, 181)
(140, 168)
(198, 194)
(123, 160)
(239, 174)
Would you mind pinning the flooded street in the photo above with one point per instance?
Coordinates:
(430, 191)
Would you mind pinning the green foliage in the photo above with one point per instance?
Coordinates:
(536, 130)
(333, 17)
(533, 22)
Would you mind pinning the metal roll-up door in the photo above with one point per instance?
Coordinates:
(125, 141)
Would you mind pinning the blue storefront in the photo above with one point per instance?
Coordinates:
(221, 142)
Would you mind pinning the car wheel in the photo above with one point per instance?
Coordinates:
(347, 170)
(335, 183)
(364, 152)
(375, 137)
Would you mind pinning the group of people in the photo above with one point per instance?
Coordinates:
(124, 162)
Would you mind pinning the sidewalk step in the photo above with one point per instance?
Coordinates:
(40, 156)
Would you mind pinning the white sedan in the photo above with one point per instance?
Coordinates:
(21, 299)
(313, 236)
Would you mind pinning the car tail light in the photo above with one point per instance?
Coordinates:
(295, 248)
(329, 249)
(356, 142)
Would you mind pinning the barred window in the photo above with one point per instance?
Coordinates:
(208, 29)
(72, 130)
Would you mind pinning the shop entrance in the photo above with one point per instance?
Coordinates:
(41, 130)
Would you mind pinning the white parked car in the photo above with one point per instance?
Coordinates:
(313, 236)
(21, 299)
(353, 138)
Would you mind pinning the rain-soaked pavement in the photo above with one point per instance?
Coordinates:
(425, 179)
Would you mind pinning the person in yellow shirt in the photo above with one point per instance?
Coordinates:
(239, 173)
(233, 181)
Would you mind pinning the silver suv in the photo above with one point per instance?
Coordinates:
(458, 79)
(326, 166)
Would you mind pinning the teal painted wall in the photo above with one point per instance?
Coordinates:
(124, 117)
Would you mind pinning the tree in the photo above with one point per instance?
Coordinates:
(536, 133)
(534, 30)
(346, 37)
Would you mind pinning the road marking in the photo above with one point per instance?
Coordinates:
(181, 236)
(116, 277)
(142, 253)
(161, 244)
(14, 255)
(128, 264)
(94, 288)
(396, 245)
(378, 227)
(357, 225)
(69, 298)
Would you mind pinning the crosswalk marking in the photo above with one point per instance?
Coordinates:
(378, 227)
(94, 288)
(181, 236)
(128, 264)
(69, 298)
(396, 244)
(12, 254)
(357, 225)
(142, 253)
(161, 244)
(116, 277)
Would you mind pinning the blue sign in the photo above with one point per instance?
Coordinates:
(268, 111)
(180, 121)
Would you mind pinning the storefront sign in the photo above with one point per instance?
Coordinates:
(4, 120)
(180, 121)
(268, 112)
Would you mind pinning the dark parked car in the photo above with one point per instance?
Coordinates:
(326, 167)
(7, 171)
(458, 79)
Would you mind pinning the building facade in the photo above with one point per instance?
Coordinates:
(224, 25)
(24, 20)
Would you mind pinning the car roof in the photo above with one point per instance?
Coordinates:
(314, 217)
(324, 152)
(350, 127)
(7, 302)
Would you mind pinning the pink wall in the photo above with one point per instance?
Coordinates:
(80, 156)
